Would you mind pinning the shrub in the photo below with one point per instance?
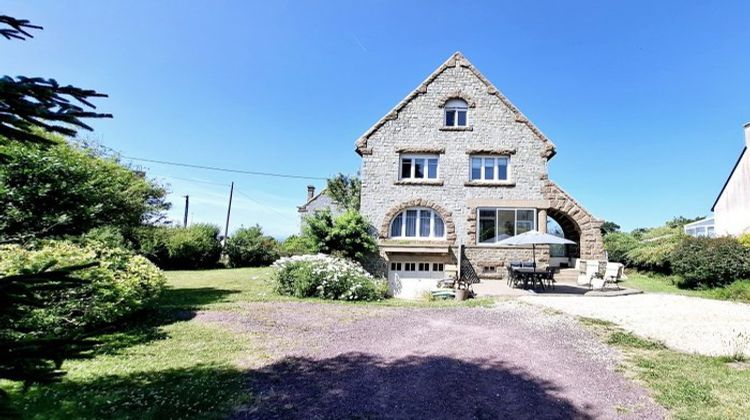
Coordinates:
(618, 244)
(738, 290)
(326, 277)
(248, 247)
(108, 236)
(297, 245)
(179, 248)
(121, 284)
(68, 189)
(347, 235)
(652, 256)
(710, 262)
(744, 239)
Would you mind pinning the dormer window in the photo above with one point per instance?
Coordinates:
(455, 113)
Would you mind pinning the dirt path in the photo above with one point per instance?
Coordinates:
(688, 324)
(514, 360)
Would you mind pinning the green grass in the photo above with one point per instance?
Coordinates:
(656, 283)
(689, 386)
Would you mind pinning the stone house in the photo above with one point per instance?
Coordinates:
(315, 203)
(454, 168)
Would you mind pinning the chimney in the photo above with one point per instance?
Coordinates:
(311, 189)
(747, 135)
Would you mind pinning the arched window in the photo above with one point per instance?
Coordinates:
(455, 113)
(418, 223)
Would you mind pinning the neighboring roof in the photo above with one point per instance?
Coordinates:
(705, 221)
(457, 59)
(315, 197)
(730, 177)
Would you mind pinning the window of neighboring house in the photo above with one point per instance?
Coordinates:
(489, 168)
(424, 266)
(418, 223)
(455, 113)
(498, 224)
(419, 167)
(410, 267)
(438, 267)
(395, 266)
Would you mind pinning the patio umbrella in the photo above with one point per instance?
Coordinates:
(535, 238)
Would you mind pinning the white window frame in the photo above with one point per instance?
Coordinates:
(418, 227)
(497, 221)
(495, 172)
(456, 109)
(411, 175)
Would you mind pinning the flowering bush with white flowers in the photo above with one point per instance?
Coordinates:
(327, 277)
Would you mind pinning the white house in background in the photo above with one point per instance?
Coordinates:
(732, 206)
(315, 203)
(703, 227)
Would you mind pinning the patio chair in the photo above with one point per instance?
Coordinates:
(598, 280)
(584, 278)
(614, 273)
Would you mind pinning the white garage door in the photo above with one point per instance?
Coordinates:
(410, 280)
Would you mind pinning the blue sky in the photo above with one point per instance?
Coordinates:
(644, 100)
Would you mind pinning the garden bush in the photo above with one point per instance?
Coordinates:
(326, 277)
(121, 284)
(744, 239)
(710, 262)
(347, 235)
(618, 244)
(297, 245)
(108, 236)
(248, 247)
(179, 248)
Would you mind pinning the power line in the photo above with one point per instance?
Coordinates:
(215, 168)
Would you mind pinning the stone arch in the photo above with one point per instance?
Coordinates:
(457, 94)
(576, 221)
(450, 227)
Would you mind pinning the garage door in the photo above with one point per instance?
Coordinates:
(410, 280)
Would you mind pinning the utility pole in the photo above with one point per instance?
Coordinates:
(229, 211)
(187, 205)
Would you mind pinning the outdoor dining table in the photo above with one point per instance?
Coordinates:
(532, 274)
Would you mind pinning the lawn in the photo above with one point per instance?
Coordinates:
(160, 364)
(689, 386)
(656, 283)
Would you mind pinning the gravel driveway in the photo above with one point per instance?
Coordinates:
(688, 324)
(512, 360)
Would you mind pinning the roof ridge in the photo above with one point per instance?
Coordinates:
(456, 59)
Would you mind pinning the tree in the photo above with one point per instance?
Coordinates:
(65, 189)
(609, 227)
(345, 190)
(27, 103)
(347, 235)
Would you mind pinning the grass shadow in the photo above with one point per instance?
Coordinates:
(173, 305)
(356, 385)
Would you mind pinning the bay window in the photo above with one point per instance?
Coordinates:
(496, 224)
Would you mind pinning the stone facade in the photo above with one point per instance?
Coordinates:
(494, 127)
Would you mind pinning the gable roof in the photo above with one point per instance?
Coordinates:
(323, 192)
(457, 59)
(729, 178)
